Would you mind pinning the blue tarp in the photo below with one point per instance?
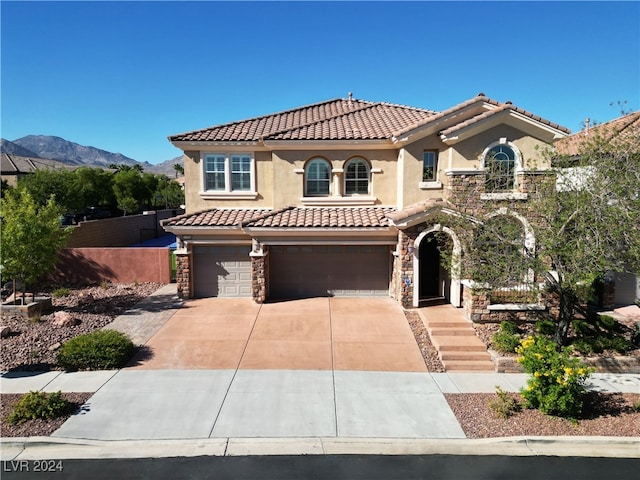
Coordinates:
(168, 241)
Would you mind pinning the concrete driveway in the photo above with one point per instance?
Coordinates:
(363, 334)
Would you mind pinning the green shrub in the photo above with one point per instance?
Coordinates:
(61, 292)
(505, 405)
(616, 343)
(546, 327)
(98, 350)
(608, 323)
(507, 338)
(556, 382)
(509, 327)
(581, 328)
(39, 405)
(586, 346)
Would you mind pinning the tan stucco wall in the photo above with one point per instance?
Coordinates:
(194, 179)
(279, 184)
(467, 153)
(289, 185)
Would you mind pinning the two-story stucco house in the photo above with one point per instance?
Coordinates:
(334, 198)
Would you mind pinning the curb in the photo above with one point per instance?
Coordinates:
(41, 448)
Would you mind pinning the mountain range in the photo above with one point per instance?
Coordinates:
(70, 153)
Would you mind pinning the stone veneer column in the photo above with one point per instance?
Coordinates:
(183, 274)
(259, 271)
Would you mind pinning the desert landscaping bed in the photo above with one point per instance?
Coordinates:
(32, 344)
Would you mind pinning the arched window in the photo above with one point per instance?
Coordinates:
(317, 177)
(500, 165)
(356, 177)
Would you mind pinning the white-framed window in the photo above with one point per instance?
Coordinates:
(429, 165)
(229, 172)
(356, 177)
(500, 163)
(317, 177)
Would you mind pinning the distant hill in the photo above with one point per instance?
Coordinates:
(166, 167)
(56, 148)
(74, 154)
(13, 148)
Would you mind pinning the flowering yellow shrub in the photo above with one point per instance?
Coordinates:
(556, 384)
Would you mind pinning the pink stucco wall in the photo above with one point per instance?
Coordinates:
(119, 265)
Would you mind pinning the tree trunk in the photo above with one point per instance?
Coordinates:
(567, 308)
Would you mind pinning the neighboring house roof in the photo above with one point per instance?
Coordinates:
(289, 217)
(11, 164)
(616, 127)
(350, 119)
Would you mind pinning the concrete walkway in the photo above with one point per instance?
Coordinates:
(244, 410)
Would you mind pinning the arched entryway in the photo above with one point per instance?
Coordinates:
(432, 281)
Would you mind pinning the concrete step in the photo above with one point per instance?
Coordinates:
(469, 366)
(452, 331)
(450, 323)
(458, 355)
(459, 343)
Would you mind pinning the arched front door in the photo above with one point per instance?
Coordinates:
(432, 281)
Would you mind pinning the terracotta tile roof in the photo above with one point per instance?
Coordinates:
(339, 119)
(416, 209)
(324, 217)
(618, 126)
(345, 119)
(215, 217)
(501, 107)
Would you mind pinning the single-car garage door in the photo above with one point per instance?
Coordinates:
(222, 271)
(328, 270)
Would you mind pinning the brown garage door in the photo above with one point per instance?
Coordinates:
(331, 270)
(222, 271)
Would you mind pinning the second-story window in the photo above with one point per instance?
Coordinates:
(429, 165)
(228, 172)
(214, 172)
(317, 177)
(500, 165)
(356, 177)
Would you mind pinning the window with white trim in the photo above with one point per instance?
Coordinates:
(317, 181)
(500, 167)
(429, 165)
(356, 177)
(228, 172)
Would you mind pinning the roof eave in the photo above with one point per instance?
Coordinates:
(529, 125)
(328, 144)
(186, 145)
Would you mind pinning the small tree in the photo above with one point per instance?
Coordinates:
(585, 220)
(179, 169)
(31, 237)
(591, 224)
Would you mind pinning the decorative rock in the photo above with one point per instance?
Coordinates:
(55, 346)
(5, 331)
(64, 319)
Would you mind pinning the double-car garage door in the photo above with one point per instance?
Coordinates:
(328, 270)
(294, 271)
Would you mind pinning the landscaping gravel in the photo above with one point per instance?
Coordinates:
(32, 428)
(32, 344)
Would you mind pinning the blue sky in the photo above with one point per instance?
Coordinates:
(122, 76)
